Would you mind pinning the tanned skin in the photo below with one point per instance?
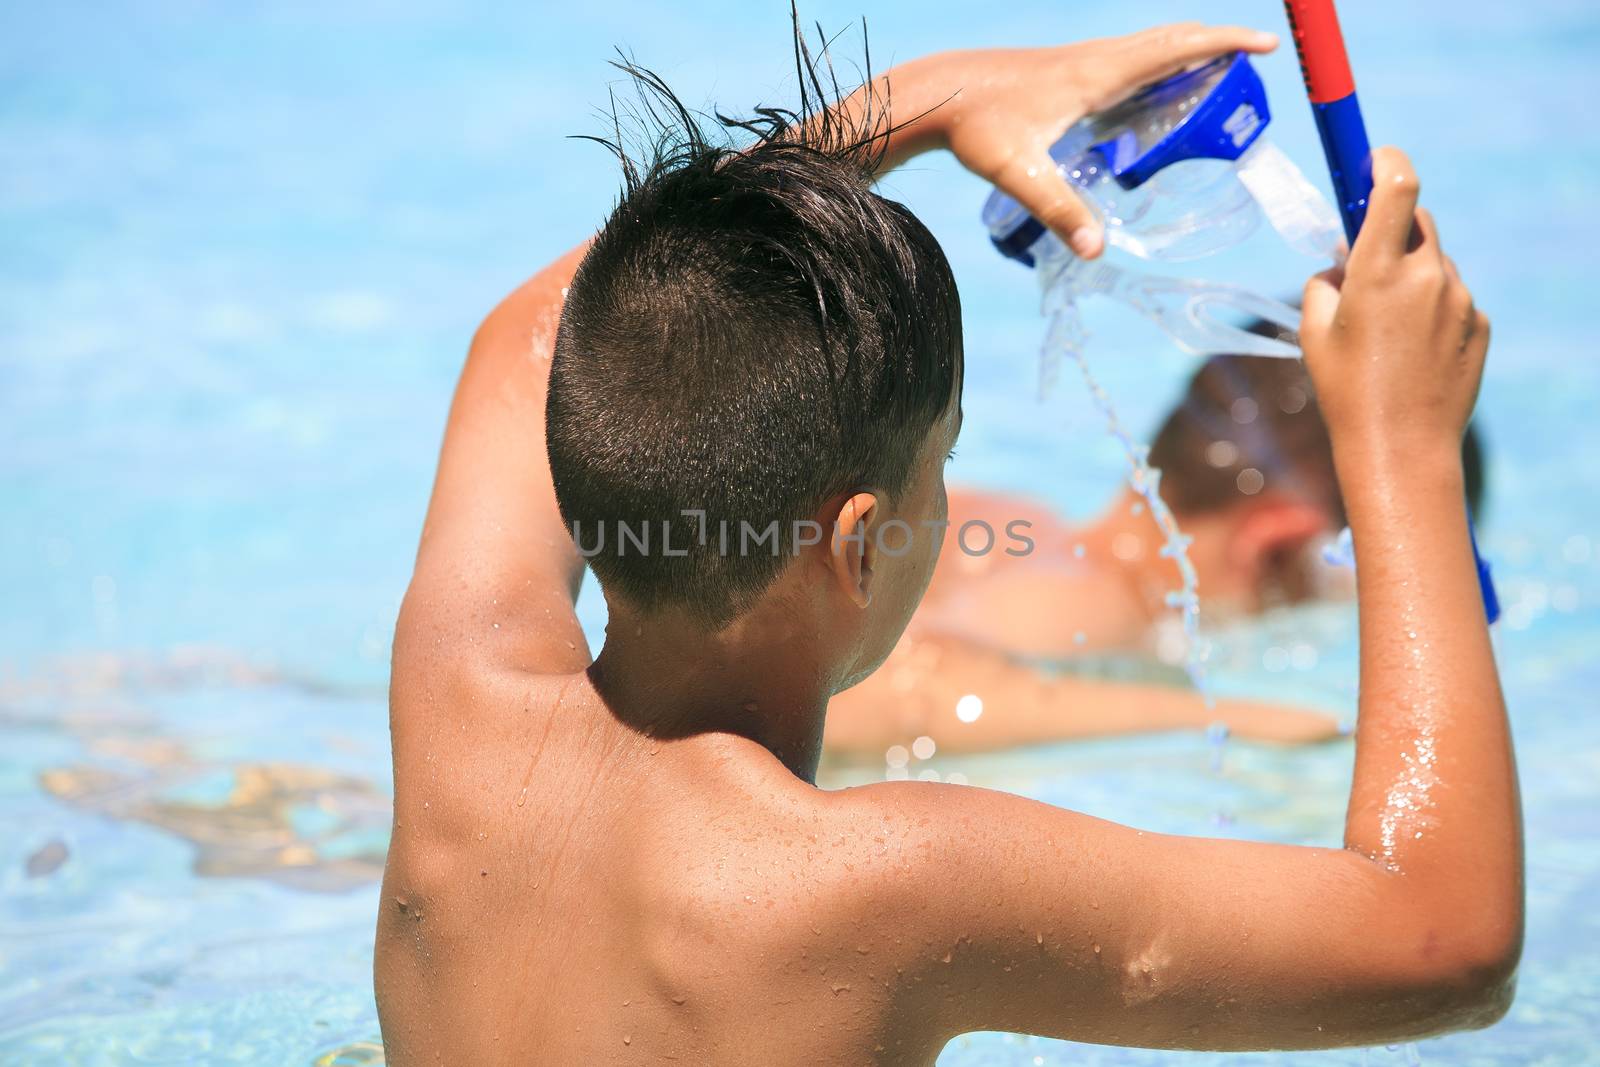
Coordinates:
(623, 858)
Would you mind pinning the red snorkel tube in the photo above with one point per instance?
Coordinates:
(1332, 90)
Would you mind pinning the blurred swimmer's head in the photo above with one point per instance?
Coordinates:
(1248, 471)
(757, 343)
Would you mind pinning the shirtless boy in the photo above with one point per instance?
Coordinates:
(623, 859)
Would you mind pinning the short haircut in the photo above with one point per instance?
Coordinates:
(1258, 413)
(753, 332)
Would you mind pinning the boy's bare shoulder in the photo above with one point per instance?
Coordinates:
(774, 892)
(822, 875)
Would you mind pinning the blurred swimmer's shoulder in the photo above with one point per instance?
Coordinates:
(997, 508)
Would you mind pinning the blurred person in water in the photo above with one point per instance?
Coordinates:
(1035, 629)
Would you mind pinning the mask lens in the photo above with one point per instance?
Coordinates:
(1190, 210)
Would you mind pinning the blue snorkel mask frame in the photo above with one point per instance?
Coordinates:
(1229, 114)
(1225, 123)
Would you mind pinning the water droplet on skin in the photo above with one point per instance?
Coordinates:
(522, 798)
(627, 1039)
(1097, 950)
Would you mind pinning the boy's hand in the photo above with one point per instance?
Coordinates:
(1393, 341)
(1011, 105)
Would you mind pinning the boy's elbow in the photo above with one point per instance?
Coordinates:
(1446, 963)
(1472, 982)
(1487, 972)
(1494, 1003)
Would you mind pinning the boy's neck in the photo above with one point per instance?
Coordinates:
(667, 677)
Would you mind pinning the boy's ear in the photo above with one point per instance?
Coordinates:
(854, 548)
(1273, 529)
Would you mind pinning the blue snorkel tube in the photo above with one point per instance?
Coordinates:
(1332, 91)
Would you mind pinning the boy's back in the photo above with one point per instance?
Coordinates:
(623, 858)
(599, 897)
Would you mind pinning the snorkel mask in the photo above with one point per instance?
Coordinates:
(1178, 172)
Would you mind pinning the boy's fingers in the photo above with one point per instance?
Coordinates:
(1425, 234)
(1480, 329)
(1163, 50)
(1392, 208)
(1041, 189)
(1320, 300)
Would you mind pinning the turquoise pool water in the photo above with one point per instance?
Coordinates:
(240, 257)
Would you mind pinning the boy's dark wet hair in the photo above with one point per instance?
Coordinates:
(1242, 413)
(753, 332)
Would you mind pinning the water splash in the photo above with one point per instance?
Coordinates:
(1066, 337)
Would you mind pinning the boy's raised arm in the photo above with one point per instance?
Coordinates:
(496, 571)
(1024, 917)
